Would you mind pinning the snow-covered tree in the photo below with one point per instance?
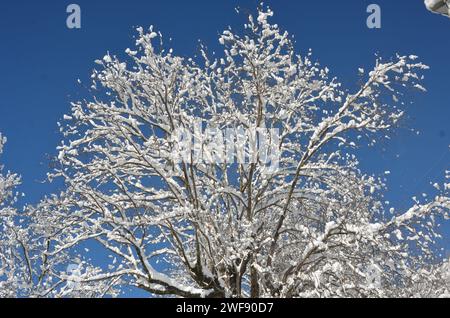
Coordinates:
(26, 268)
(445, 274)
(315, 226)
(438, 6)
(13, 271)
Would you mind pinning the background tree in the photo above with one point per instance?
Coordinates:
(314, 227)
(13, 270)
(26, 267)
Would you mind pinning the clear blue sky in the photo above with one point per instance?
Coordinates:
(41, 60)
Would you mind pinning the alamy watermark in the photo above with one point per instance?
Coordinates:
(373, 276)
(212, 145)
(73, 20)
(374, 19)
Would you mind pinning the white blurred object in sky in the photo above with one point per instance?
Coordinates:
(439, 6)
